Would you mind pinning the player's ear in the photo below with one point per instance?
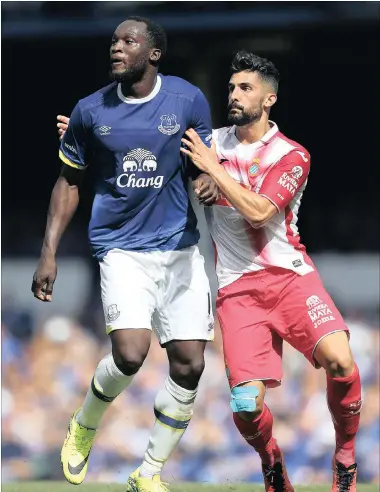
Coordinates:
(155, 55)
(270, 100)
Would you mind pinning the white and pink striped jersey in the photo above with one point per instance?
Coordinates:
(277, 169)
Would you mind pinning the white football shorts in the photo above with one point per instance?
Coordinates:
(167, 290)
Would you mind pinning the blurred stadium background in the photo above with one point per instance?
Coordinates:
(54, 53)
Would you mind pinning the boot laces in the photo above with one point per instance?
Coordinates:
(275, 476)
(345, 477)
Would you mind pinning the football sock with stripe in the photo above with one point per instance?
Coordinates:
(345, 401)
(258, 434)
(107, 383)
(173, 409)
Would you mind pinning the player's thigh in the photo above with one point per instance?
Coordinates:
(185, 305)
(252, 350)
(128, 290)
(307, 315)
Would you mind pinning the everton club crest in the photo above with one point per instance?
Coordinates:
(169, 125)
(112, 313)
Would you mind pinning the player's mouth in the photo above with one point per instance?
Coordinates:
(116, 62)
(234, 108)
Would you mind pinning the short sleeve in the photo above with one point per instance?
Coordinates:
(284, 180)
(201, 118)
(74, 144)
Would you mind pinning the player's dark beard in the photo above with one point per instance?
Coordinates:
(244, 117)
(132, 75)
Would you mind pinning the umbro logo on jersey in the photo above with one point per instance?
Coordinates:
(70, 147)
(104, 130)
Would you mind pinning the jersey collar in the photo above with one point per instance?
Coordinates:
(142, 100)
(272, 132)
(263, 140)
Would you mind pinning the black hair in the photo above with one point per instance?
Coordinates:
(155, 33)
(247, 61)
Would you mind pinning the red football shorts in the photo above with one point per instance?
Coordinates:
(260, 310)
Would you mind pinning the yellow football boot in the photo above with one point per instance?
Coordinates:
(141, 484)
(76, 451)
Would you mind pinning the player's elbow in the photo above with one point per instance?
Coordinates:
(257, 224)
(260, 217)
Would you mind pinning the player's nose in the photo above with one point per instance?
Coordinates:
(117, 47)
(234, 95)
(233, 102)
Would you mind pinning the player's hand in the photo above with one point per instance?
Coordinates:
(62, 125)
(44, 278)
(203, 157)
(206, 190)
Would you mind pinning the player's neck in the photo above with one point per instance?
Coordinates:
(140, 89)
(249, 134)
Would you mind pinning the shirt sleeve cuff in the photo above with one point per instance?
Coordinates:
(69, 162)
(272, 201)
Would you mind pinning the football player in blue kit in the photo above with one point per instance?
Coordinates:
(143, 233)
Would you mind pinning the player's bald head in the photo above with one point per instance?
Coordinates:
(245, 61)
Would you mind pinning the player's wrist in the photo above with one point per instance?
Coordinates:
(48, 251)
(215, 170)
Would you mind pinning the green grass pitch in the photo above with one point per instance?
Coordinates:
(180, 487)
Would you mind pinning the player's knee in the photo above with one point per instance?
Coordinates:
(187, 373)
(340, 365)
(129, 349)
(255, 414)
(247, 402)
(333, 353)
(128, 361)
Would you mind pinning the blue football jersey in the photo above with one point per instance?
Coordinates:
(141, 178)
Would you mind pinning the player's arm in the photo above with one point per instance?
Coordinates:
(257, 208)
(283, 181)
(204, 186)
(63, 204)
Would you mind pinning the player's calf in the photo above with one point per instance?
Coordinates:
(173, 409)
(253, 418)
(255, 422)
(343, 396)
